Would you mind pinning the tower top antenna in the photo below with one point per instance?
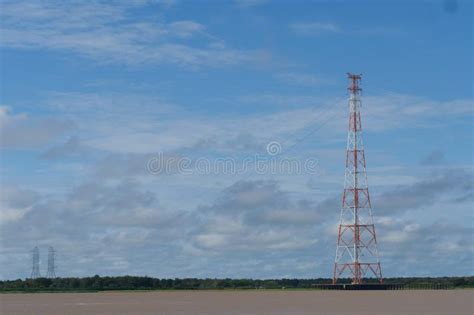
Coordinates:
(354, 80)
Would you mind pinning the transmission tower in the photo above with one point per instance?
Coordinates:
(51, 266)
(356, 252)
(35, 272)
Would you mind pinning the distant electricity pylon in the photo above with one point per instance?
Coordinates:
(356, 251)
(51, 266)
(35, 272)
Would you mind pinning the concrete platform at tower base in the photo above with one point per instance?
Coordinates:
(382, 286)
(375, 286)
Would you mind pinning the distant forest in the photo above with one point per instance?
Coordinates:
(98, 283)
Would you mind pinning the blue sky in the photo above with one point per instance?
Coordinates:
(91, 91)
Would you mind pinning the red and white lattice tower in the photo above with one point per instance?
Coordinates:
(356, 253)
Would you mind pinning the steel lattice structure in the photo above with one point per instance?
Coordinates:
(35, 271)
(51, 266)
(356, 253)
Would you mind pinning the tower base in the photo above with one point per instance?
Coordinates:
(369, 286)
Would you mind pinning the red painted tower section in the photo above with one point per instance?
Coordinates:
(356, 253)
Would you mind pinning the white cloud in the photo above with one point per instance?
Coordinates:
(256, 215)
(185, 28)
(137, 124)
(379, 111)
(105, 32)
(292, 216)
(104, 220)
(302, 79)
(250, 3)
(23, 131)
(389, 111)
(314, 28)
(71, 146)
(133, 123)
(15, 203)
(423, 193)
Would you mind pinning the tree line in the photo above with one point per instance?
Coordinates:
(97, 283)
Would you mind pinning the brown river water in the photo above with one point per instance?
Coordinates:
(443, 302)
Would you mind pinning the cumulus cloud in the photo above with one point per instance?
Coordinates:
(256, 215)
(122, 204)
(100, 223)
(94, 227)
(405, 243)
(119, 222)
(452, 184)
